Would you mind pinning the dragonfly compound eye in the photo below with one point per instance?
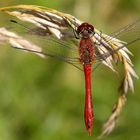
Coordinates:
(90, 29)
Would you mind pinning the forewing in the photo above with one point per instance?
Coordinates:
(64, 49)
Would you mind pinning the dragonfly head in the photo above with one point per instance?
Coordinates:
(85, 30)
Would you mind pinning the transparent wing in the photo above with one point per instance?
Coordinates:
(64, 50)
(129, 32)
(50, 47)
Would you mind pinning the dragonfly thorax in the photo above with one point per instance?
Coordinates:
(86, 51)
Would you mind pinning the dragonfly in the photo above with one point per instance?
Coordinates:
(93, 48)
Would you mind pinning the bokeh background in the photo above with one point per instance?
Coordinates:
(44, 99)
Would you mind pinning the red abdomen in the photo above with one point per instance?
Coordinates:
(88, 112)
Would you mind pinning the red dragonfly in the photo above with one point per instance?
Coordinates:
(94, 46)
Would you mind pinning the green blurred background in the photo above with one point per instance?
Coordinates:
(44, 99)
